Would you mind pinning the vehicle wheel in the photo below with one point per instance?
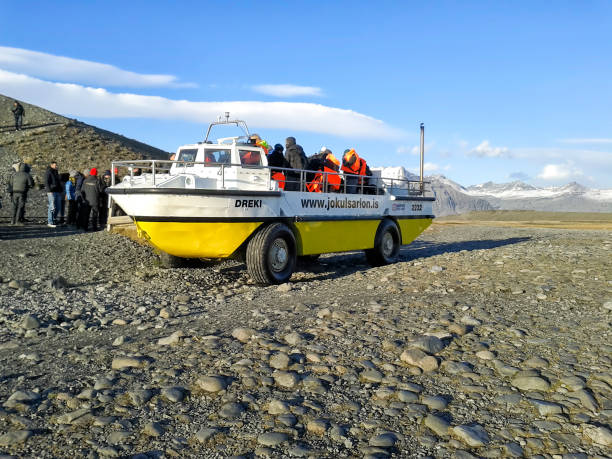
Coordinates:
(386, 245)
(271, 254)
(170, 261)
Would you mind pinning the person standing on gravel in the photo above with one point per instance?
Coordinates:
(53, 185)
(18, 113)
(71, 203)
(90, 192)
(18, 186)
(103, 204)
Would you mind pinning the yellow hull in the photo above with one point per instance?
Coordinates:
(222, 239)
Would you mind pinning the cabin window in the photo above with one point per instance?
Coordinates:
(250, 157)
(188, 154)
(215, 156)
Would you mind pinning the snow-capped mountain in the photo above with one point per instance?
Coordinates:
(453, 198)
(518, 195)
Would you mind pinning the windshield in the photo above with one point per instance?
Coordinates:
(188, 154)
(217, 156)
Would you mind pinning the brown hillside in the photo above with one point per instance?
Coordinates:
(73, 144)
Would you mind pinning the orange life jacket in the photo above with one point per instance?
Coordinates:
(251, 157)
(318, 182)
(280, 178)
(357, 168)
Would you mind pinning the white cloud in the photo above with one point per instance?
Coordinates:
(414, 150)
(430, 167)
(287, 90)
(597, 157)
(584, 141)
(80, 101)
(486, 149)
(559, 171)
(67, 69)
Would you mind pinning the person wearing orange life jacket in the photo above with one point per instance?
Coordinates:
(258, 141)
(356, 170)
(328, 164)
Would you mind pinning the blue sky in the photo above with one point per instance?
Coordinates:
(506, 90)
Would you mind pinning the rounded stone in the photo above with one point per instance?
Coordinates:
(231, 410)
(286, 379)
(30, 322)
(485, 355)
(317, 426)
(243, 334)
(429, 344)
(280, 361)
(277, 407)
(212, 383)
(272, 438)
(528, 383)
(293, 338)
(434, 402)
(384, 440)
(371, 376)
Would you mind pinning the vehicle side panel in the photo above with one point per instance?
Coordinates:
(197, 239)
(412, 227)
(335, 236)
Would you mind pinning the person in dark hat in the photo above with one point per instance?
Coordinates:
(276, 157)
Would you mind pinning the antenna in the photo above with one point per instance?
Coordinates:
(227, 116)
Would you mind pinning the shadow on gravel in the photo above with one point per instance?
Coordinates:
(344, 264)
(24, 127)
(34, 231)
(423, 249)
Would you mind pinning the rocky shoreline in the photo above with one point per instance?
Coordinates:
(480, 342)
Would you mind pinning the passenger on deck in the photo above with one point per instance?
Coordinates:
(258, 141)
(276, 159)
(327, 164)
(356, 172)
(296, 158)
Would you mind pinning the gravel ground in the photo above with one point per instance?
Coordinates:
(480, 342)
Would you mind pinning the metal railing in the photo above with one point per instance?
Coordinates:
(295, 179)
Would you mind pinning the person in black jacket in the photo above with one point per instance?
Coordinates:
(276, 158)
(18, 113)
(297, 160)
(90, 192)
(18, 186)
(103, 203)
(53, 185)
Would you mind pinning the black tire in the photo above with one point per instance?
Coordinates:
(271, 254)
(386, 244)
(170, 261)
